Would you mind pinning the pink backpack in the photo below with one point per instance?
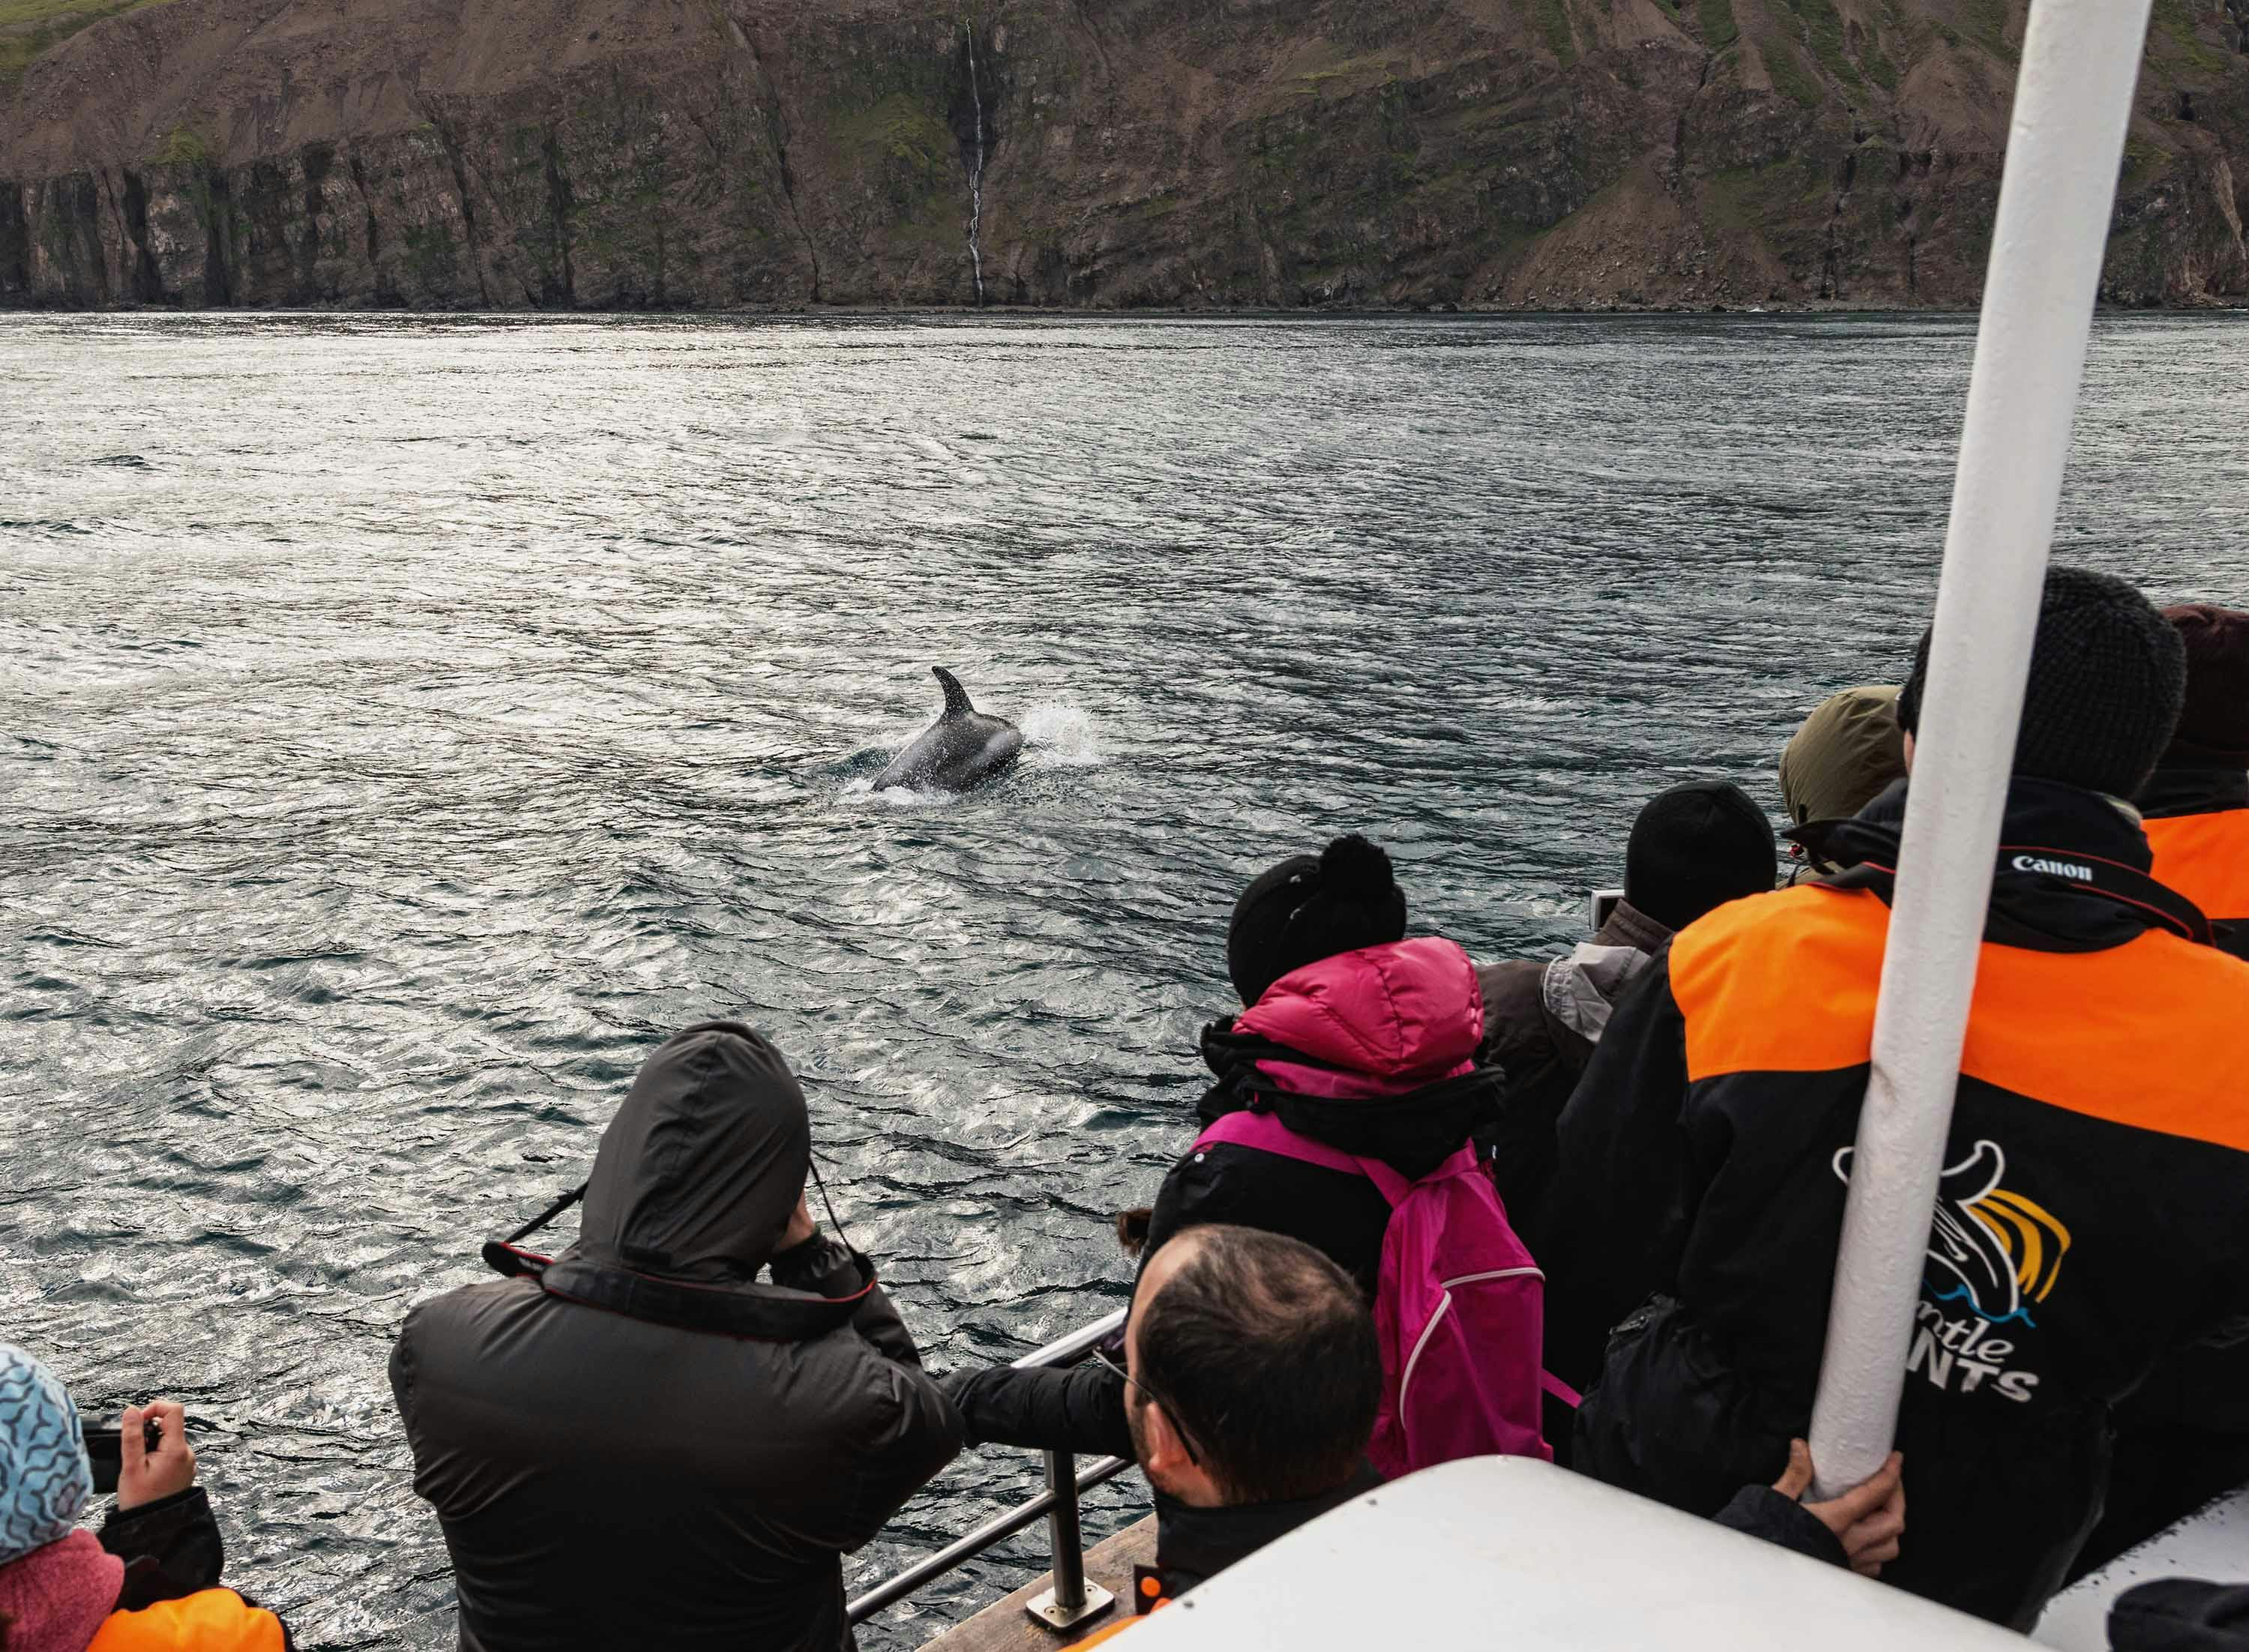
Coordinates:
(1458, 1307)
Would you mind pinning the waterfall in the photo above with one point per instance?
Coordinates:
(976, 171)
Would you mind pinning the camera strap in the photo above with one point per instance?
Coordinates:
(750, 1313)
(2154, 905)
(504, 1257)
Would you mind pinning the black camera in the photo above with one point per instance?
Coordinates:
(105, 1449)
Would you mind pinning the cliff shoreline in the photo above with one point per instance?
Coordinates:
(1204, 156)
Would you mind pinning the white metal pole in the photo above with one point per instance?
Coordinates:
(2073, 101)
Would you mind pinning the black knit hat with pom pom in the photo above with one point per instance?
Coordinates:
(1304, 910)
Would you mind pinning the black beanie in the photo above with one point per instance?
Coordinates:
(1304, 910)
(2213, 728)
(2107, 677)
(1696, 848)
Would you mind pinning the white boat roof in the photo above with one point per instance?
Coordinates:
(1507, 1552)
(2212, 1545)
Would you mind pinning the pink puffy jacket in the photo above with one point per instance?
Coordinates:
(1383, 1020)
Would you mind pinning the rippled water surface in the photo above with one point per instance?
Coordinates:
(405, 723)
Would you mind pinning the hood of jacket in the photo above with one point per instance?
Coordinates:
(2029, 908)
(703, 1165)
(1578, 992)
(2177, 789)
(57, 1597)
(1848, 752)
(1382, 1020)
(1369, 1051)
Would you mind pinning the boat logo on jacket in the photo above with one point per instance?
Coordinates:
(1992, 1251)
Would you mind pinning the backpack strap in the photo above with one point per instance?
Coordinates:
(1560, 1390)
(1246, 1129)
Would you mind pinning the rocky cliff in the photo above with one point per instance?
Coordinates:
(595, 153)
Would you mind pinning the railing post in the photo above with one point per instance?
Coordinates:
(1072, 1599)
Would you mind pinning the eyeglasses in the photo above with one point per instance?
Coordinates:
(1156, 1400)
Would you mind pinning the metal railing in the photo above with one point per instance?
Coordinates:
(1072, 1599)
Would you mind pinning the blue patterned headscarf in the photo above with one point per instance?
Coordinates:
(44, 1478)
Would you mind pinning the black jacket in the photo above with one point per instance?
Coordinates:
(606, 1479)
(1541, 1019)
(1194, 1544)
(2090, 1220)
(1337, 1212)
(172, 1551)
(2181, 1615)
(2183, 1437)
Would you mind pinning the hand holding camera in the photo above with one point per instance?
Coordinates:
(157, 1461)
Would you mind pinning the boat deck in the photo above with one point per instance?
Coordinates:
(1005, 1627)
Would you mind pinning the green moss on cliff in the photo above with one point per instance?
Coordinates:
(1746, 200)
(183, 147)
(1984, 21)
(31, 27)
(1553, 19)
(2174, 29)
(1345, 76)
(1789, 76)
(899, 130)
(1719, 29)
(1823, 32)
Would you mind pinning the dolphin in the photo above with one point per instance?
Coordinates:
(960, 750)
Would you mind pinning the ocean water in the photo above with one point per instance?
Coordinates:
(405, 722)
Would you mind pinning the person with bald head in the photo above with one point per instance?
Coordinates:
(1252, 1381)
(1251, 1378)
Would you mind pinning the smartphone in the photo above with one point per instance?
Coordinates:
(105, 1449)
(1599, 905)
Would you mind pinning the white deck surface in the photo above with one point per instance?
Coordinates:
(1507, 1552)
(2213, 1545)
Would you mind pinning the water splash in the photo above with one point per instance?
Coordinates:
(975, 170)
(1060, 737)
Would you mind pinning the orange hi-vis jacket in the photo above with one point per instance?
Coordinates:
(2089, 1221)
(2197, 822)
(208, 1621)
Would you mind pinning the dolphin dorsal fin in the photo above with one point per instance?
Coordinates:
(956, 697)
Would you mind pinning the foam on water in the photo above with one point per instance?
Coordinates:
(1059, 736)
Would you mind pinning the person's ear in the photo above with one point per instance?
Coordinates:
(1908, 753)
(1168, 1465)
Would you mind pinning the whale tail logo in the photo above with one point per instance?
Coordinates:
(1996, 1248)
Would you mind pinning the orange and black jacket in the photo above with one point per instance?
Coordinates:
(2091, 1216)
(2198, 828)
(170, 1600)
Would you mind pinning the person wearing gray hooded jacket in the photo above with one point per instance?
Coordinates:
(638, 1444)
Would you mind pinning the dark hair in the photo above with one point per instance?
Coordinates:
(1263, 1352)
